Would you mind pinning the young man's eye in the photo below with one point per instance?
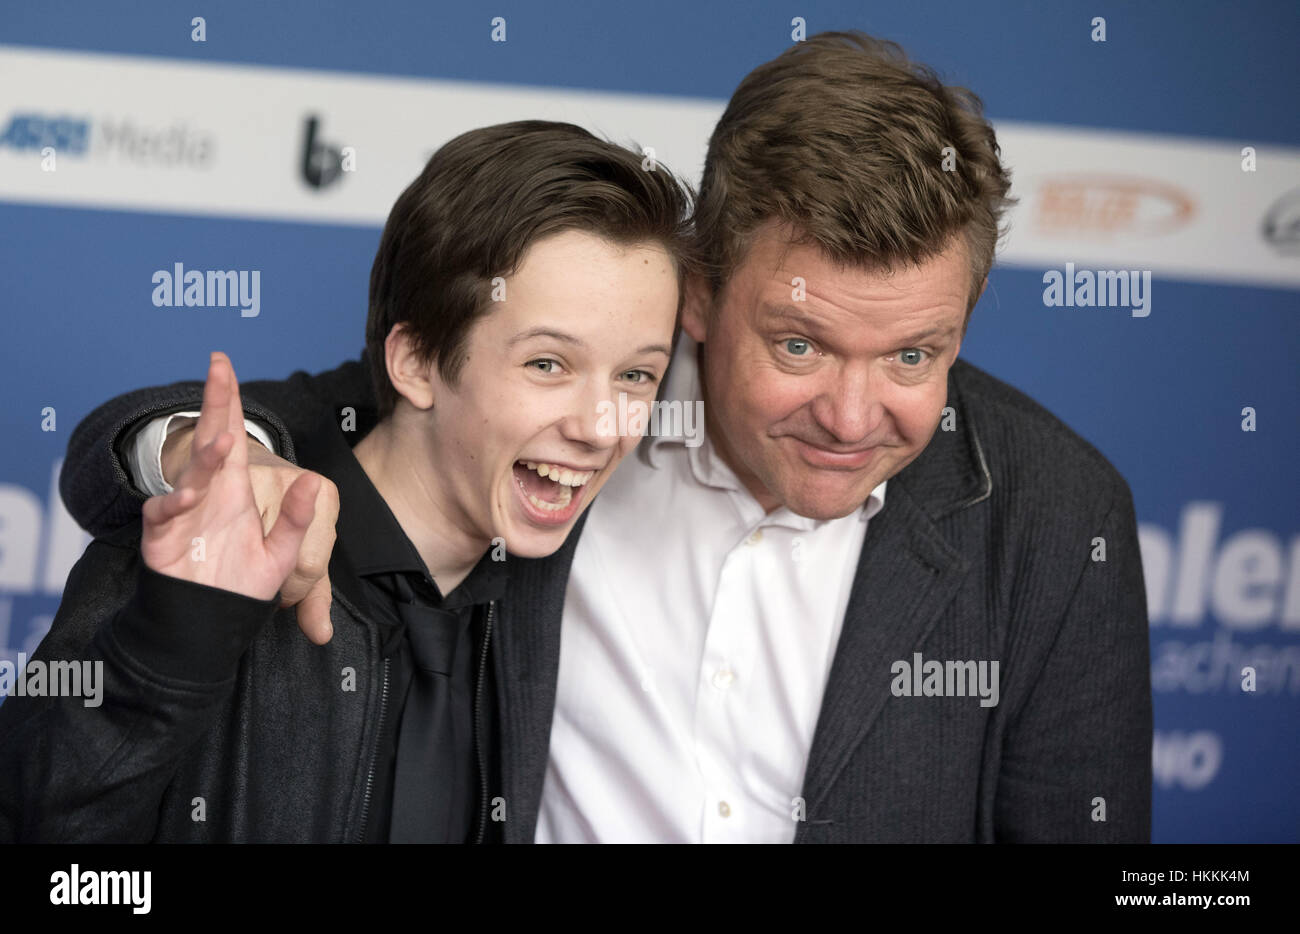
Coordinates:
(797, 347)
(545, 365)
(639, 377)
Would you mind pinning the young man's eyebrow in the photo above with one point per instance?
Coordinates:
(547, 332)
(577, 341)
(655, 348)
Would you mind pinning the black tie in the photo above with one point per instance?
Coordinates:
(435, 750)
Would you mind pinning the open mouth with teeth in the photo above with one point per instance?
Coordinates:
(552, 492)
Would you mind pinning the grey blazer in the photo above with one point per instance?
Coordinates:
(1008, 539)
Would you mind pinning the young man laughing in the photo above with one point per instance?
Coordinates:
(496, 333)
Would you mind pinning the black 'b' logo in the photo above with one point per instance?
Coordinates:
(321, 164)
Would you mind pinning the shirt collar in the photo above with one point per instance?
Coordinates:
(367, 529)
(683, 386)
(374, 541)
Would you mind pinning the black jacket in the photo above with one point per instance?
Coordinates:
(987, 549)
(220, 721)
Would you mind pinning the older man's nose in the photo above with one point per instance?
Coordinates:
(848, 409)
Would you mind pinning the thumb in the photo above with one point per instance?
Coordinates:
(314, 612)
(296, 512)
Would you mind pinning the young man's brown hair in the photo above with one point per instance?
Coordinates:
(481, 201)
(847, 140)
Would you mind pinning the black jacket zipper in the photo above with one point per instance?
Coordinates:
(374, 754)
(478, 726)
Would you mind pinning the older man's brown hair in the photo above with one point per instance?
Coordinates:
(865, 153)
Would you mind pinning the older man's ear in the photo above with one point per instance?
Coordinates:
(965, 324)
(697, 307)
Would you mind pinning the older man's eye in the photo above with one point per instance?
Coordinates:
(909, 359)
(798, 347)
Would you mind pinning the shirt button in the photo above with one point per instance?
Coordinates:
(724, 809)
(722, 678)
(755, 538)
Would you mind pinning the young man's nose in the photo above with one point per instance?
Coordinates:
(595, 419)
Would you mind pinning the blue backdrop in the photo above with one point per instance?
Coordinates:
(1161, 397)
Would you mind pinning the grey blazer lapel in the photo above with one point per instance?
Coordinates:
(907, 573)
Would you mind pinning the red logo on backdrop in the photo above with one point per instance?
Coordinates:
(1111, 204)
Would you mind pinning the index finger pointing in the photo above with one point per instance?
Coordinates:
(214, 413)
(234, 411)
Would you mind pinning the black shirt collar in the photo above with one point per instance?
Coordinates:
(370, 540)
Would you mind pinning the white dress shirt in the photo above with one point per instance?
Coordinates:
(697, 637)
